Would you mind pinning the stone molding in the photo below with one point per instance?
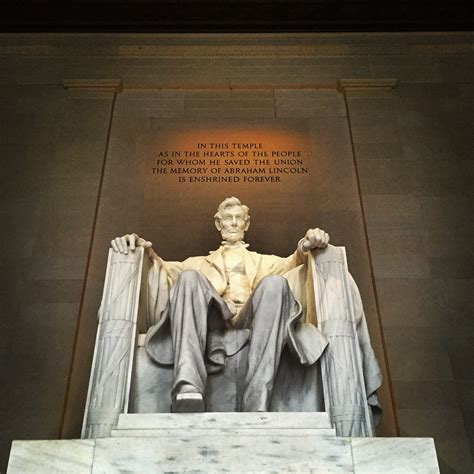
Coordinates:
(97, 84)
(359, 84)
(118, 85)
(194, 45)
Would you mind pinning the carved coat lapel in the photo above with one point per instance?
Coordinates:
(217, 277)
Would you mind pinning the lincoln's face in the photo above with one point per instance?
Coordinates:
(232, 224)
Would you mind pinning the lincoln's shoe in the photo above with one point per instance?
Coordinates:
(187, 400)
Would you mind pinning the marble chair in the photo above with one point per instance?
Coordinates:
(125, 380)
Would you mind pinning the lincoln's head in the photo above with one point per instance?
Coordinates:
(232, 219)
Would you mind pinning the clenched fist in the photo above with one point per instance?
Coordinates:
(314, 239)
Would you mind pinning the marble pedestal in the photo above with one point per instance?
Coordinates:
(225, 442)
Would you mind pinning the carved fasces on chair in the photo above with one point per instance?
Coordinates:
(109, 385)
(345, 396)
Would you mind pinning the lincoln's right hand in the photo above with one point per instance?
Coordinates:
(128, 242)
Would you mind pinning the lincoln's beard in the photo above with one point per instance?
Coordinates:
(232, 235)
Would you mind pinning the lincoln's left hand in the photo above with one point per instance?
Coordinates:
(314, 239)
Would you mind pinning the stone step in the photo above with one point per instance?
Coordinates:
(220, 453)
(215, 454)
(224, 421)
(234, 432)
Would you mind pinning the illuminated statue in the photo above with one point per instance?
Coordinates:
(232, 288)
(206, 309)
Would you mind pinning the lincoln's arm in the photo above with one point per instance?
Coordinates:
(314, 238)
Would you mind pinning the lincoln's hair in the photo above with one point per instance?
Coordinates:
(231, 202)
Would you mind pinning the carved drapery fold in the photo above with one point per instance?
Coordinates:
(109, 385)
(341, 364)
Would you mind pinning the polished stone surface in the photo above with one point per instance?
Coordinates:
(52, 456)
(224, 424)
(409, 455)
(257, 421)
(218, 453)
(230, 431)
(228, 449)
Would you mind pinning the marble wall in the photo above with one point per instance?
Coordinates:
(414, 159)
(404, 154)
(52, 146)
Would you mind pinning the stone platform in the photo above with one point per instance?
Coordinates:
(225, 442)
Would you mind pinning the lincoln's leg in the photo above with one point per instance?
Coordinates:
(190, 300)
(273, 303)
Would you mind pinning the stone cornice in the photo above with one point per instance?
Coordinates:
(235, 45)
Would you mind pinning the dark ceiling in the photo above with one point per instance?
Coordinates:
(235, 15)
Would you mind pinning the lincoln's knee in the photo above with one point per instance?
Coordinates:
(275, 284)
(189, 278)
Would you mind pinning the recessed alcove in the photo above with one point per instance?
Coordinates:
(173, 155)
